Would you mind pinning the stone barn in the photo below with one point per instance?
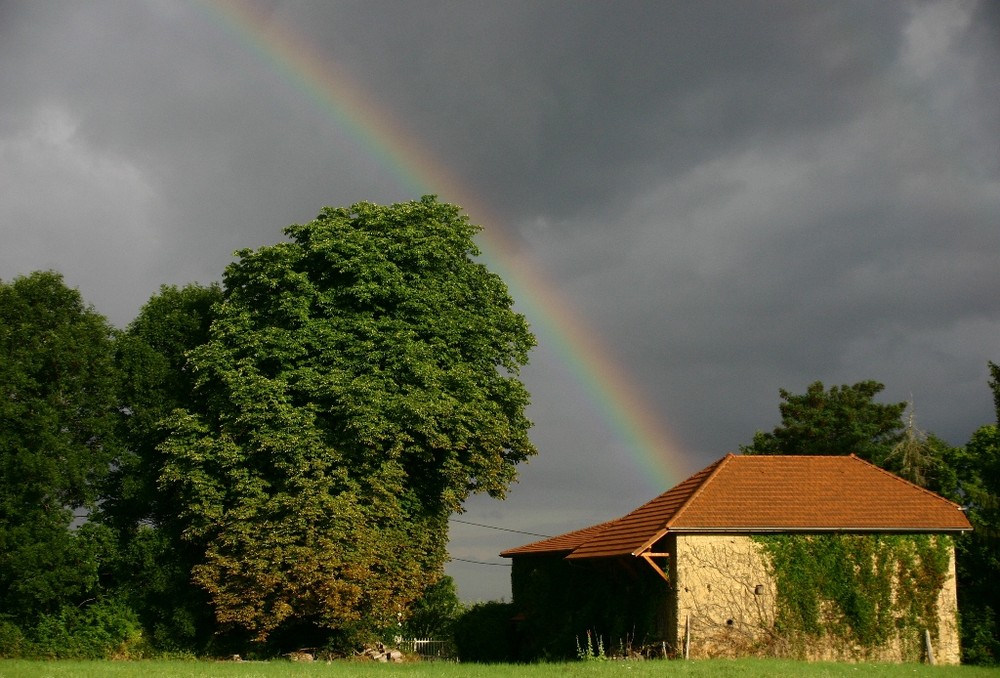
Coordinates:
(814, 557)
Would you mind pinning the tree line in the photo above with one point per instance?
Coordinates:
(262, 465)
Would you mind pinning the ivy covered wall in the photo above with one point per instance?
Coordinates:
(876, 593)
(821, 596)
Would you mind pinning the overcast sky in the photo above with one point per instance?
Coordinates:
(731, 197)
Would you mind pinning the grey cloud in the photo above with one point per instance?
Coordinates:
(734, 196)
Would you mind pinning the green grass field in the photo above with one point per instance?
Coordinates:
(744, 668)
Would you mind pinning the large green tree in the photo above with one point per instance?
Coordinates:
(57, 415)
(154, 562)
(839, 421)
(359, 382)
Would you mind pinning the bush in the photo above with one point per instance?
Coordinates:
(435, 614)
(979, 635)
(12, 640)
(485, 633)
(105, 629)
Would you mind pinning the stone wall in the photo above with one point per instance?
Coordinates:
(724, 596)
(948, 648)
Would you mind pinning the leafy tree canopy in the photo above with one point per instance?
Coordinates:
(359, 382)
(978, 553)
(152, 356)
(153, 567)
(57, 414)
(839, 421)
(434, 615)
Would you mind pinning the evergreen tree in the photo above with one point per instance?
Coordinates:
(839, 421)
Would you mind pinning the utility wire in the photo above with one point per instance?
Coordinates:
(502, 529)
(481, 562)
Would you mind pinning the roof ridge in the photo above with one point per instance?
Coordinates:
(903, 480)
(701, 486)
(697, 490)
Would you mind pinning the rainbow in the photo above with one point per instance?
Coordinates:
(620, 402)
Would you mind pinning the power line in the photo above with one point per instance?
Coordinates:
(502, 529)
(481, 562)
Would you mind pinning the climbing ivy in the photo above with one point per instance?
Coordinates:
(868, 589)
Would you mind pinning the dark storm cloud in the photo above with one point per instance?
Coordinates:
(735, 196)
(192, 113)
(571, 105)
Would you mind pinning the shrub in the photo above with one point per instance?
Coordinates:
(12, 640)
(484, 633)
(434, 615)
(105, 629)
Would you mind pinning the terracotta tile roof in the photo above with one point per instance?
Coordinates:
(767, 494)
(564, 543)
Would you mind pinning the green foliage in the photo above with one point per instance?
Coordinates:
(917, 456)
(57, 410)
(152, 572)
(102, 629)
(588, 652)
(485, 633)
(359, 382)
(867, 588)
(978, 554)
(152, 357)
(839, 421)
(435, 614)
(154, 564)
(12, 640)
(970, 476)
(979, 633)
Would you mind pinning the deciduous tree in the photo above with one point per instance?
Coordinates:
(57, 413)
(434, 615)
(978, 554)
(154, 564)
(156, 380)
(359, 382)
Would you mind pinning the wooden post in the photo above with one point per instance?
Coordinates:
(687, 636)
(928, 648)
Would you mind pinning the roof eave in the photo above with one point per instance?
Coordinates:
(603, 556)
(773, 530)
(515, 554)
(778, 530)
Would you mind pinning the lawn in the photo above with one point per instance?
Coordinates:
(744, 668)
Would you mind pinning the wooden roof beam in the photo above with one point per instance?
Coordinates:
(649, 556)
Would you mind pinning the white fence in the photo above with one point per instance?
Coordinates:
(427, 648)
